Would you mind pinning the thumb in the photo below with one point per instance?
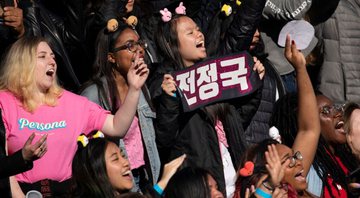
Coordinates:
(30, 139)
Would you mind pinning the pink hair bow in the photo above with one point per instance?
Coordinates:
(166, 15)
(180, 9)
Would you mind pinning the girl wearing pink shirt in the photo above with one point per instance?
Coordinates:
(33, 102)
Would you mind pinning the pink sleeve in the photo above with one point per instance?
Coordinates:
(96, 116)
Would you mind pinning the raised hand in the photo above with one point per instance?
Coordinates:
(168, 85)
(259, 68)
(13, 17)
(35, 151)
(275, 168)
(170, 169)
(293, 55)
(138, 72)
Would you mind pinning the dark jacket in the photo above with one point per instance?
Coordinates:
(62, 35)
(9, 165)
(259, 126)
(194, 132)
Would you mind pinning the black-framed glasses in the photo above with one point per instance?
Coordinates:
(333, 110)
(296, 156)
(132, 46)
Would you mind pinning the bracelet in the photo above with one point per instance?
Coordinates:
(268, 186)
(158, 189)
(262, 193)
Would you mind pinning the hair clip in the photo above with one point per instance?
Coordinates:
(274, 134)
(98, 134)
(165, 15)
(180, 9)
(83, 139)
(112, 25)
(131, 21)
(248, 169)
(226, 9)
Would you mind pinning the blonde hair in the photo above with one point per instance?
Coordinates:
(18, 74)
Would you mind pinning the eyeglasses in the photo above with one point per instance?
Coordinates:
(132, 46)
(333, 110)
(296, 156)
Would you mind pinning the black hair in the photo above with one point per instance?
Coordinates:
(105, 44)
(89, 174)
(325, 163)
(168, 42)
(255, 154)
(189, 182)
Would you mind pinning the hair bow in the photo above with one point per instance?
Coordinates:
(84, 140)
(248, 169)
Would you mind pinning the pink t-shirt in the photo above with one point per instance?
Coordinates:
(63, 123)
(134, 145)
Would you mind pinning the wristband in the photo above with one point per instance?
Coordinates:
(262, 193)
(158, 189)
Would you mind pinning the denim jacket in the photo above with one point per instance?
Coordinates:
(146, 117)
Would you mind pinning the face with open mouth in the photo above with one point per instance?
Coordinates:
(294, 174)
(45, 70)
(331, 121)
(117, 168)
(191, 41)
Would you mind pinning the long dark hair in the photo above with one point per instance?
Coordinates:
(105, 44)
(189, 182)
(325, 163)
(89, 174)
(168, 42)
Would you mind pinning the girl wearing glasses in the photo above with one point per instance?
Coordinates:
(302, 152)
(116, 52)
(333, 160)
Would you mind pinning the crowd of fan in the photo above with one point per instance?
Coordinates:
(90, 106)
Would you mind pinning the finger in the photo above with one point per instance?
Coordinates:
(30, 139)
(276, 193)
(276, 154)
(247, 193)
(293, 47)
(136, 58)
(144, 72)
(252, 189)
(42, 153)
(40, 141)
(287, 47)
(168, 77)
(285, 164)
(15, 4)
(11, 18)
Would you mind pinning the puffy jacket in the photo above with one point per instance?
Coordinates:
(339, 36)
